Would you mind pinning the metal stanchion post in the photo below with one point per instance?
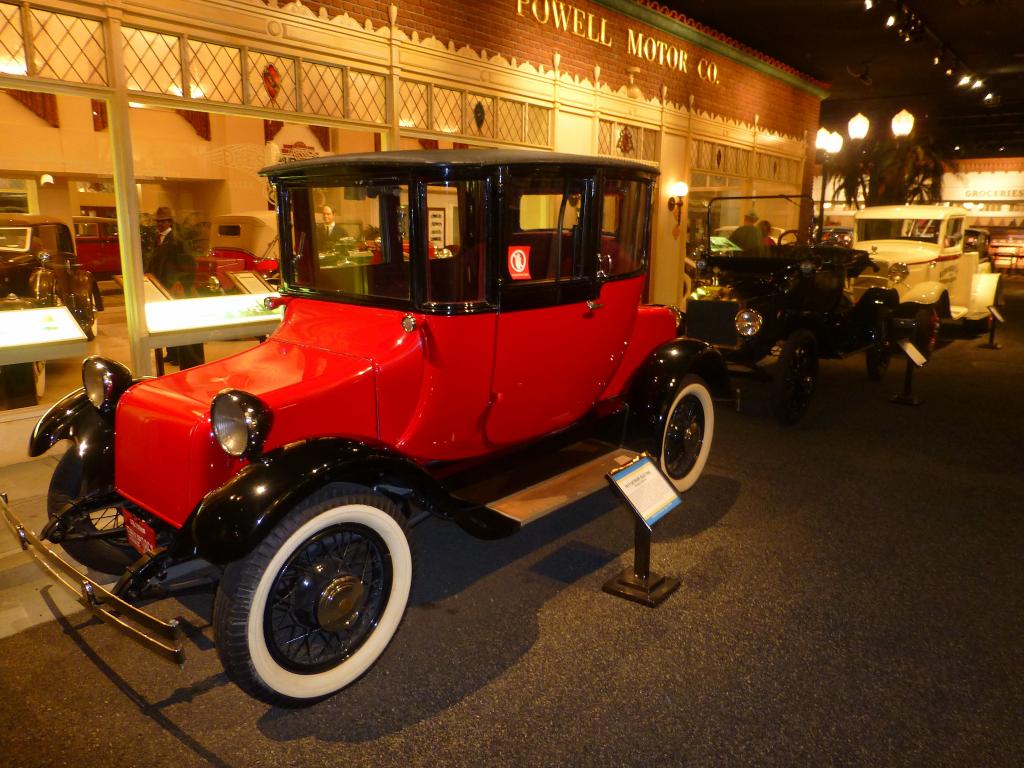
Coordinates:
(996, 317)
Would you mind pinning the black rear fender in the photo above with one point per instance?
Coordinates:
(656, 382)
(231, 520)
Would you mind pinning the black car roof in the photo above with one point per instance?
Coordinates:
(453, 158)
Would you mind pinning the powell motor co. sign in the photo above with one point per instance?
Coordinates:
(568, 19)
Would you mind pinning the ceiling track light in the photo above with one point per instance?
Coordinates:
(965, 80)
(868, 5)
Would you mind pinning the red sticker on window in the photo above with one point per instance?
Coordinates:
(519, 262)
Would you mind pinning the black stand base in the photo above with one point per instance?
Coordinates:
(990, 345)
(650, 591)
(907, 396)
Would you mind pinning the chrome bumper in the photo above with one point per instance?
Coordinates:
(162, 637)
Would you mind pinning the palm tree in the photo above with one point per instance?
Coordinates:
(889, 171)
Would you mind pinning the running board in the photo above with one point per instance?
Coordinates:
(956, 312)
(540, 499)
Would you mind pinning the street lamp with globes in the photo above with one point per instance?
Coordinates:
(829, 143)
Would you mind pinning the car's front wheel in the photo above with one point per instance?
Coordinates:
(312, 608)
(96, 540)
(687, 434)
(796, 377)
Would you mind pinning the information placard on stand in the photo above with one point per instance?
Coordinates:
(651, 496)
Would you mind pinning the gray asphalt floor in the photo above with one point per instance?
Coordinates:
(851, 595)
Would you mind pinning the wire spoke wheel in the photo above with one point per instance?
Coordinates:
(328, 598)
(796, 378)
(97, 539)
(688, 432)
(316, 603)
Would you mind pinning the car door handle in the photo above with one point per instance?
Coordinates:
(592, 305)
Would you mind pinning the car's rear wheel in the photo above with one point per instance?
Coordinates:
(313, 607)
(688, 433)
(796, 377)
(110, 551)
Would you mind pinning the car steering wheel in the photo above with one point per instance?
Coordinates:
(789, 237)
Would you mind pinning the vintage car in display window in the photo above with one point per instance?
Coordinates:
(239, 242)
(38, 264)
(787, 303)
(39, 268)
(98, 246)
(425, 383)
(920, 251)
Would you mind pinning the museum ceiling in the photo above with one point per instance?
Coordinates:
(879, 70)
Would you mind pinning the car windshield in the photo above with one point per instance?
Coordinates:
(755, 226)
(15, 239)
(351, 240)
(919, 230)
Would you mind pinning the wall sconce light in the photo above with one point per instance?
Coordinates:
(45, 180)
(677, 193)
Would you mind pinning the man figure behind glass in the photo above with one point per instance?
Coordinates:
(175, 268)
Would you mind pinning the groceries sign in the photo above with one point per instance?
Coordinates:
(570, 20)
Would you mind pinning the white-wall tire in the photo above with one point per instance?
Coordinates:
(242, 600)
(691, 409)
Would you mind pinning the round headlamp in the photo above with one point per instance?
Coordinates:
(748, 322)
(104, 381)
(899, 272)
(240, 422)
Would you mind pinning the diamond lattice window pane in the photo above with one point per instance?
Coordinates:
(323, 89)
(68, 48)
(12, 48)
(479, 115)
(510, 121)
(413, 104)
(649, 152)
(604, 138)
(447, 110)
(152, 61)
(272, 80)
(538, 125)
(366, 97)
(215, 71)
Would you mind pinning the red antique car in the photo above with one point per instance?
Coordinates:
(413, 386)
(239, 242)
(97, 244)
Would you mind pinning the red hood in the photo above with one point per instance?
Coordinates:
(166, 456)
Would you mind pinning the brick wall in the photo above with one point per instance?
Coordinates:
(495, 26)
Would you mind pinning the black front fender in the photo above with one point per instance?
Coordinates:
(231, 520)
(74, 418)
(656, 381)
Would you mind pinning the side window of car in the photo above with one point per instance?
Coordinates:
(625, 206)
(544, 230)
(456, 241)
(954, 232)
